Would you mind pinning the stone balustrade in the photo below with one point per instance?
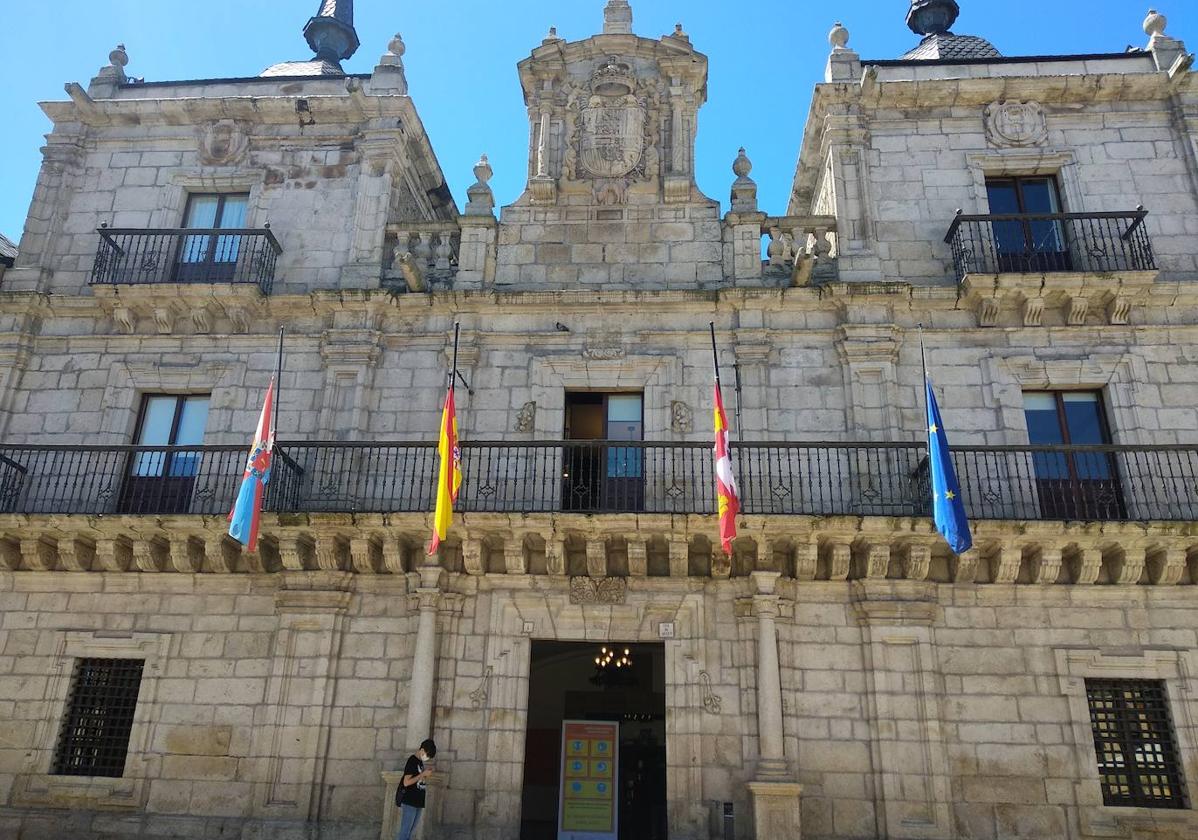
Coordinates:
(422, 253)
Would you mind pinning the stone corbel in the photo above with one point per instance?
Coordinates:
(365, 555)
(184, 554)
(1033, 311)
(877, 560)
(840, 558)
(917, 562)
(597, 557)
(1077, 307)
(330, 552)
(76, 555)
(515, 561)
(1128, 565)
(555, 555)
(1046, 565)
(806, 560)
(965, 567)
(164, 318)
(149, 554)
(113, 555)
(39, 554)
(638, 557)
(1166, 564)
(219, 555)
(296, 552)
(394, 552)
(1118, 311)
(473, 551)
(988, 310)
(125, 320)
(1087, 564)
(680, 557)
(1005, 562)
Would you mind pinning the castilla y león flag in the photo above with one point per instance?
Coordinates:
(725, 484)
(449, 476)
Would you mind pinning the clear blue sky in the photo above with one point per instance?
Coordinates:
(765, 58)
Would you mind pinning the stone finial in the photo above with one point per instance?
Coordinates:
(551, 37)
(839, 36)
(744, 188)
(932, 17)
(389, 73)
(679, 33)
(481, 198)
(1155, 23)
(617, 18)
(111, 75)
(118, 57)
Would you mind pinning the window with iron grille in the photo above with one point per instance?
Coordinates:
(94, 739)
(1133, 737)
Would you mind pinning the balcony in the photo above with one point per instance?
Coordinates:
(1084, 243)
(213, 256)
(1086, 483)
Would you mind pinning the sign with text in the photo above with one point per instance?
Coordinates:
(588, 806)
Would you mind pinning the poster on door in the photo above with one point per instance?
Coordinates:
(588, 808)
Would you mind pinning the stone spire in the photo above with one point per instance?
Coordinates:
(932, 17)
(331, 33)
(617, 18)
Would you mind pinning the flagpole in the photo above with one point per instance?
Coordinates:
(715, 356)
(736, 373)
(278, 388)
(923, 355)
(453, 373)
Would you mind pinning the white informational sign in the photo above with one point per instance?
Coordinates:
(588, 808)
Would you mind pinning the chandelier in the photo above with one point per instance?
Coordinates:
(611, 657)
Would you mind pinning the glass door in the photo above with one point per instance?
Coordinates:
(1072, 485)
(599, 477)
(205, 258)
(161, 481)
(1028, 245)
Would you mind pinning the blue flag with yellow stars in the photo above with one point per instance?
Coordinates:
(948, 508)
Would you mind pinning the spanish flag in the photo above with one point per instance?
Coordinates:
(725, 484)
(449, 477)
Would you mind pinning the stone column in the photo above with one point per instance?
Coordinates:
(424, 660)
(775, 800)
(769, 677)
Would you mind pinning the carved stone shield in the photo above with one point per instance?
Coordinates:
(613, 137)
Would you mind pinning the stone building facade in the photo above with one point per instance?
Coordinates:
(1034, 221)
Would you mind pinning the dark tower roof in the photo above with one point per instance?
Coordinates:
(934, 19)
(331, 35)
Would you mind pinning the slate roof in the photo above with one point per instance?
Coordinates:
(945, 46)
(8, 251)
(311, 67)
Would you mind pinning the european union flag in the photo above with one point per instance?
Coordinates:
(948, 508)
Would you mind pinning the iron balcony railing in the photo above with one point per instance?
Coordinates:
(1050, 242)
(1090, 483)
(129, 256)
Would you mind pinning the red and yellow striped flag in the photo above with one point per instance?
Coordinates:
(449, 477)
(725, 484)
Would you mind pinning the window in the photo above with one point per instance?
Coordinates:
(94, 740)
(604, 477)
(1033, 243)
(211, 259)
(160, 480)
(1072, 484)
(1133, 739)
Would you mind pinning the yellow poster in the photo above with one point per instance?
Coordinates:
(589, 808)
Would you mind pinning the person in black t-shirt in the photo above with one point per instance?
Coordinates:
(411, 793)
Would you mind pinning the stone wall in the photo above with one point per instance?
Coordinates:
(273, 699)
